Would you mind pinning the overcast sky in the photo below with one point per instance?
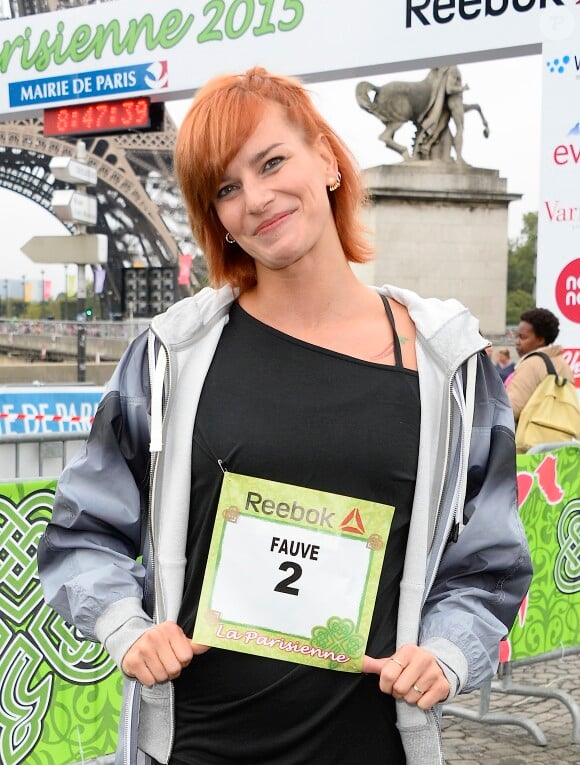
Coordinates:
(508, 91)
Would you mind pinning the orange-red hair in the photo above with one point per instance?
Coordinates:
(223, 115)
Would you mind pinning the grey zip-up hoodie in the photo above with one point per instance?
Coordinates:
(117, 501)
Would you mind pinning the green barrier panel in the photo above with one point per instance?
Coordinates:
(60, 695)
(549, 501)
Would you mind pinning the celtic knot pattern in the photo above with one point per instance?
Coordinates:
(339, 635)
(20, 529)
(36, 645)
(567, 565)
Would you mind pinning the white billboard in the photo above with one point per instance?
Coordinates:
(558, 267)
(168, 49)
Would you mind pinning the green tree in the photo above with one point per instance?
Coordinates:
(522, 256)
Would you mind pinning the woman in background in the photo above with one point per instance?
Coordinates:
(537, 331)
(504, 365)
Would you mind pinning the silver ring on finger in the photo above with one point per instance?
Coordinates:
(418, 690)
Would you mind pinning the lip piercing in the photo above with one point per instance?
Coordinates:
(229, 238)
(418, 690)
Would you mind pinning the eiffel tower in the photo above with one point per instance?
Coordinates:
(140, 207)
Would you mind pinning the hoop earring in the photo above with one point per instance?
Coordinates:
(229, 238)
(336, 184)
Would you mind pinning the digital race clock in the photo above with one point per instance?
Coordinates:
(101, 117)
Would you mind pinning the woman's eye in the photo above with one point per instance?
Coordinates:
(274, 162)
(225, 190)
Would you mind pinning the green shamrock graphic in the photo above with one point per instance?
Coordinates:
(339, 636)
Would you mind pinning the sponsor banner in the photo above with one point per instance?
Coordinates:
(99, 280)
(558, 266)
(170, 49)
(60, 696)
(48, 409)
(572, 356)
(46, 289)
(71, 285)
(549, 502)
(184, 268)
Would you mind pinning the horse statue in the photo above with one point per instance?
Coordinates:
(430, 104)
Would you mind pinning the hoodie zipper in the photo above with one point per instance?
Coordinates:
(448, 455)
(166, 393)
(458, 488)
(151, 551)
(443, 478)
(439, 737)
(153, 477)
(128, 722)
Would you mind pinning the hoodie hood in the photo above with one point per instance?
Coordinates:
(446, 326)
(177, 327)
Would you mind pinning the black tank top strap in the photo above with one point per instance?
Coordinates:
(396, 343)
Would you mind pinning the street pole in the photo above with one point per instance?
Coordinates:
(81, 353)
(81, 290)
(66, 291)
(42, 293)
(74, 206)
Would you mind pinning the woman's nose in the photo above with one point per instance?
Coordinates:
(257, 196)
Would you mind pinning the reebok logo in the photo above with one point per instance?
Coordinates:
(427, 12)
(314, 516)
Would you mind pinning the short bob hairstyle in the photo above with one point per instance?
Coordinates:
(223, 115)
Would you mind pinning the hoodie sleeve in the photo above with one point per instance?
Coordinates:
(89, 556)
(483, 575)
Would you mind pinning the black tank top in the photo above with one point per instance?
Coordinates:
(285, 410)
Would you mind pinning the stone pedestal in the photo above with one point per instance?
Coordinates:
(441, 230)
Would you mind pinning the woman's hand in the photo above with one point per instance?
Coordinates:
(160, 654)
(412, 674)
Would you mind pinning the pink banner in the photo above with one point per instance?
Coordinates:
(184, 269)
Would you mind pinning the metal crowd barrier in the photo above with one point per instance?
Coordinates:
(549, 503)
(505, 684)
(25, 456)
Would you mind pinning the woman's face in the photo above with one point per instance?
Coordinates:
(527, 340)
(273, 196)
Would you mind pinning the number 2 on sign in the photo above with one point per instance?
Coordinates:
(284, 585)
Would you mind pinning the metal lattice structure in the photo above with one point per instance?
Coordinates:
(140, 208)
(139, 204)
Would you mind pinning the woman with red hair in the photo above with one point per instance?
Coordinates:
(289, 369)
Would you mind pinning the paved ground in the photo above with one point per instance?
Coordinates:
(467, 742)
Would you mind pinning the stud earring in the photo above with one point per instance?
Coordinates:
(336, 184)
(229, 238)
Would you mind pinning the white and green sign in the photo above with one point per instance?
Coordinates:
(292, 573)
(558, 265)
(169, 49)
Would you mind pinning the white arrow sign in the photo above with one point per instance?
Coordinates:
(72, 170)
(81, 249)
(74, 206)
